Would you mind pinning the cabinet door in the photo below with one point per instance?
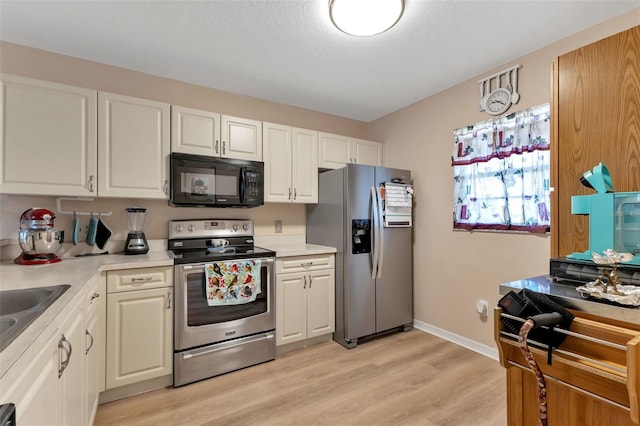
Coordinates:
(367, 152)
(595, 120)
(291, 308)
(36, 391)
(304, 166)
(277, 163)
(139, 336)
(334, 151)
(320, 303)
(133, 145)
(241, 138)
(194, 131)
(48, 144)
(71, 385)
(91, 366)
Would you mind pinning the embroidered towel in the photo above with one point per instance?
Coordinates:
(232, 283)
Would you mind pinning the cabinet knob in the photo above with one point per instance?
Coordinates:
(93, 296)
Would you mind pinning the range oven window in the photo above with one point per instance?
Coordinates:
(200, 313)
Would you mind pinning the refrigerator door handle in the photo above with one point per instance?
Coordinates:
(376, 234)
(380, 233)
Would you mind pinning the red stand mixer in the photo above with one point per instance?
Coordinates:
(38, 239)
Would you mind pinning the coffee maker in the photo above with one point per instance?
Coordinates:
(136, 242)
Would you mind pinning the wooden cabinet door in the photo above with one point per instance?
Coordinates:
(241, 138)
(139, 336)
(320, 303)
(291, 312)
(48, 138)
(133, 147)
(304, 166)
(194, 131)
(277, 163)
(334, 151)
(595, 110)
(566, 405)
(367, 152)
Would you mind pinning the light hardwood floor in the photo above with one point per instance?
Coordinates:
(410, 378)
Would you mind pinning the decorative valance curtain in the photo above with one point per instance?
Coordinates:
(501, 173)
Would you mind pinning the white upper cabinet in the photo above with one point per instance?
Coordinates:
(277, 163)
(304, 166)
(291, 164)
(335, 151)
(241, 138)
(367, 152)
(48, 141)
(194, 131)
(133, 147)
(209, 133)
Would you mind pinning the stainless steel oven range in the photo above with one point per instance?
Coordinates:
(224, 298)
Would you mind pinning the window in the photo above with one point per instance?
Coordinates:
(501, 173)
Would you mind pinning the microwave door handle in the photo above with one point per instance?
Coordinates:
(241, 185)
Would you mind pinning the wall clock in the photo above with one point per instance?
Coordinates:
(498, 101)
(499, 91)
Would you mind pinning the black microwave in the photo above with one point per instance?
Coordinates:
(203, 181)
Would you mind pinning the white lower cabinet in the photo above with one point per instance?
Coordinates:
(93, 343)
(35, 394)
(48, 382)
(305, 297)
(71, 384)
(139, 343)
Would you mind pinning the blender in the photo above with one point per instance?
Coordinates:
(136, 241)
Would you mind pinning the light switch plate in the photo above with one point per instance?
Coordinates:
(278, 226)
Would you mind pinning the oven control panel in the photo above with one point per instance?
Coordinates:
(210, 228)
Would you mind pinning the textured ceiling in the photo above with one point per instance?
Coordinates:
(287, 51)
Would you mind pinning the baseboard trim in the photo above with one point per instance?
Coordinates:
(457, 339)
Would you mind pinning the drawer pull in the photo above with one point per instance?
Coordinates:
(306, 264)
(94, 296)
(137, 280)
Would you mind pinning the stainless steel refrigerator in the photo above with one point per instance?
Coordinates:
(365, 212)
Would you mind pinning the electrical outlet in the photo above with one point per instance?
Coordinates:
(482, 307)
(278, 226)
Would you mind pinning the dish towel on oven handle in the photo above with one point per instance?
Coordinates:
(232, 283)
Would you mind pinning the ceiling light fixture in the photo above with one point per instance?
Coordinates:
(365, 17)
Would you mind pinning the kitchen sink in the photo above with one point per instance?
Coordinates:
(19, 308)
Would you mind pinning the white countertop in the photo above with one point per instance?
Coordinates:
(288, 250)
(73, 271)
(291, 245)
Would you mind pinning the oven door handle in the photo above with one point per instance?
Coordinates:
(265, 260)
(200, 352)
